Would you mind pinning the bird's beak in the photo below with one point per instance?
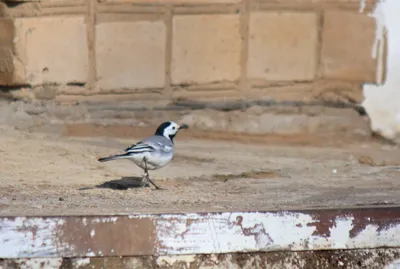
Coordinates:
(184, 126)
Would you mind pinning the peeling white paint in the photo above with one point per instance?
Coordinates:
(91, 254)
(77, 263)
(170, 260)
(189, 234)
(382, 101)
(141, 216)
(362, 5)
(22, 237)
(105, 219)
(220, 233)
(213, 233)
(340, 233)
(39, 237)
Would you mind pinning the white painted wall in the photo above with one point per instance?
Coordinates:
(382, 102)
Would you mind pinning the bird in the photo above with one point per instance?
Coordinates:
(153, 152)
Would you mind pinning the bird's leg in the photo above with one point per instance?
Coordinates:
(147, 176)
(145, 181)
(151, 181)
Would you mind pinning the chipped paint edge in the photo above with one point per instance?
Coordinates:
(380, 98)
(201, 233)
(249, 232)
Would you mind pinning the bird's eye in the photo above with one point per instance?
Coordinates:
(173, 128)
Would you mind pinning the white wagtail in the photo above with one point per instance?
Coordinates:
(153, 152)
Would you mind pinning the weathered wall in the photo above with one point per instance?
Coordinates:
(139, 49)
(382, 102)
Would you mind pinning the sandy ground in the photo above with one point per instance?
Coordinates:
(56, 173)
(47, 174)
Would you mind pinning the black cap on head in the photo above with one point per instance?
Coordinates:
(160, 129)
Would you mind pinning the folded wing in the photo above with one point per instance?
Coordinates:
(140, 148)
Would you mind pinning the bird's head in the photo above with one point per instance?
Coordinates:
(169, 129)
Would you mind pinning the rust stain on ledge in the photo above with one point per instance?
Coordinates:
(205, 233)
(382, 218)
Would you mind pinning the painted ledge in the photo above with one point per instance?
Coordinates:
(176, 234)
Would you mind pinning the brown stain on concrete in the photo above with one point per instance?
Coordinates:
(105, 237)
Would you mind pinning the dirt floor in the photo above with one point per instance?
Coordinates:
(53, 170)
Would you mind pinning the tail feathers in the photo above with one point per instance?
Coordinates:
(114, 157)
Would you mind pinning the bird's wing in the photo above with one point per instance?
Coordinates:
(140, 147)
(151, 144)
(159, 143)
(161, 146)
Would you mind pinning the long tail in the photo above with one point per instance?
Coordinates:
(114, 157)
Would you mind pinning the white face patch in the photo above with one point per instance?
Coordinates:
(171, 130)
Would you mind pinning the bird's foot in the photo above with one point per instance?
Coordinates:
(148, 181)
(145, 183)
(155, 186)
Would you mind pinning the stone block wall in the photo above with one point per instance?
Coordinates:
(192, 49)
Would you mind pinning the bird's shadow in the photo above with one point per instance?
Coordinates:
(122, 183)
